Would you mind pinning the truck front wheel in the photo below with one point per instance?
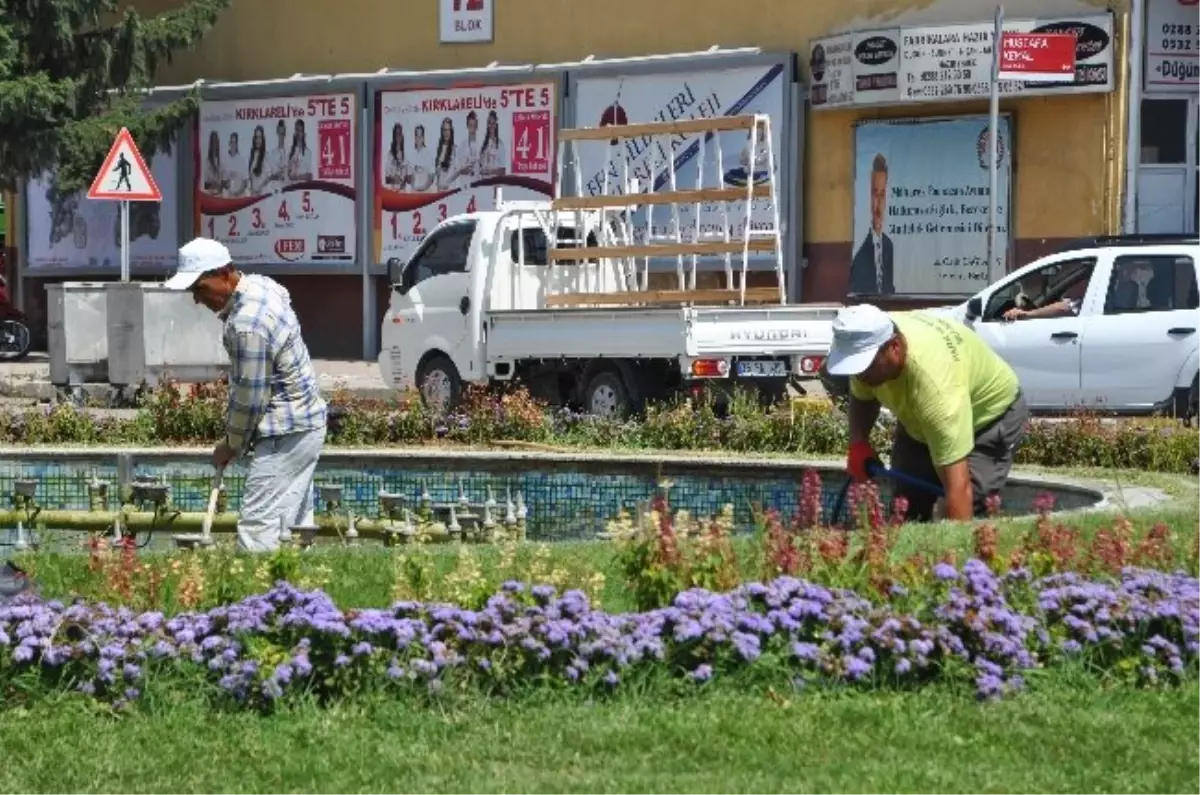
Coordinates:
(439, 383)
(606, 395)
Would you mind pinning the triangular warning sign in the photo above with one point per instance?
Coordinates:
(124, 175)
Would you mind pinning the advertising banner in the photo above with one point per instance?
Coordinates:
(441, 152)
(275, 178)
(72, 232)
(949, 63)
(674, 96)
(921, 206)
(1172, 45)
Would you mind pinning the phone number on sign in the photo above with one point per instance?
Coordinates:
(284, 219)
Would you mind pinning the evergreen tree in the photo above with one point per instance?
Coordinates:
(73, 72)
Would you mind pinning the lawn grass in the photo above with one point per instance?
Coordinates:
(1069, 732)
(1064, 736)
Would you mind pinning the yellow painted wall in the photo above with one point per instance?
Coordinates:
(1059, 185)
(1062, 143)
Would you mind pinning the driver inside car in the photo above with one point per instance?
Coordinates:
(1033, 291)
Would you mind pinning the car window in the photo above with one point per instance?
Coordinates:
(1043, 286)
(535, 249)
(1153, 283)
(445, 251)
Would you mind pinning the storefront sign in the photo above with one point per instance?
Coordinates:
(275, 178)
(953, 62)
(831, 63)
(1172, 45)
(671, 96)
(921, 206)
(68, 232)
(442, 152)
(1046, 57)
(877, 66)
(465, 21)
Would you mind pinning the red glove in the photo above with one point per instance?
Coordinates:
(861, 454)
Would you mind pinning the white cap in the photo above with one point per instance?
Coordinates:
(858, 334)
(195, 258)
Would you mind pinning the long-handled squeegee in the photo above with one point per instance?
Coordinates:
(875, 469)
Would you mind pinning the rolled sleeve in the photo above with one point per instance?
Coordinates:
(248, 386)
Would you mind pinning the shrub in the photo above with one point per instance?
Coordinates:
(174, 415)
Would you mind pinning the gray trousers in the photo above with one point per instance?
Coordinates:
(278, 488)
(990, 461)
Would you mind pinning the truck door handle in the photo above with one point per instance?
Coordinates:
(1063, 335)
(1181, 330)
(464, 305)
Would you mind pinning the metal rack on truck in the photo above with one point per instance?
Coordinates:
(559, 294)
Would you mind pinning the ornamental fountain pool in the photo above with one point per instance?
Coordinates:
(474, 495)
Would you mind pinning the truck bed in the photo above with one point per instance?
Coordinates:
(636, 332)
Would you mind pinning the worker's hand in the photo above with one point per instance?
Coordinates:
(861, 461)
(222, 455)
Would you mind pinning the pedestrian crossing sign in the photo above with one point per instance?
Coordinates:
(125, 175)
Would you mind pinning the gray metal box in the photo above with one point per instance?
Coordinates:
(76, 330)
(155, 334)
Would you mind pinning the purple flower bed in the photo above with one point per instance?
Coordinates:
(972, 624)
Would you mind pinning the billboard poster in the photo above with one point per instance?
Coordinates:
(674, 96)
(72, 232)
(275, 178)
(921, 206)
(441, 152)
(1172, 46)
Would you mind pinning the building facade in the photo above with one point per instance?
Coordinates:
(881, 109)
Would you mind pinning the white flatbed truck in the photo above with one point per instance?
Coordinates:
(550, 294)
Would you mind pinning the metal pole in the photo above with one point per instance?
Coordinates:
(993, 125)
(1133, 119)
(124, 241)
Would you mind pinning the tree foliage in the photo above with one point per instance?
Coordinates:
(73, 72)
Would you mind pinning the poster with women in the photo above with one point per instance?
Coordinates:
(442, 152)
(275, 178)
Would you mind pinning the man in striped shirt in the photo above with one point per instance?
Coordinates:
(275, 405)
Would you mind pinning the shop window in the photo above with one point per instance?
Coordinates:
(1164, 131)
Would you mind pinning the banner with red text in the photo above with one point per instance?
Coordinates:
(441, 152)
(275, 178)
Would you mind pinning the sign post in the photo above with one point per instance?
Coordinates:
(993, 126)
(1026, 57)
(124, 177)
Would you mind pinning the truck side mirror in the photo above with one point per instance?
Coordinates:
(395, 270)
(974, 308)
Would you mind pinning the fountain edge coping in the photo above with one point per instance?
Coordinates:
(1105, 492)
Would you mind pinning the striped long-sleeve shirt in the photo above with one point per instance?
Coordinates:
(273, 389)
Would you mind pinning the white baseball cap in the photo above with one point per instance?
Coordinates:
(196, 258)
(858, 334)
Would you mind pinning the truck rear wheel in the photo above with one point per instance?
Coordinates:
(440, 384)
(606, 395)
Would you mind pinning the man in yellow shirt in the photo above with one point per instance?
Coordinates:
(959, 409)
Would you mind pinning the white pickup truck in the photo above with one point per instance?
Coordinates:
(1121, 331)
(473, 305)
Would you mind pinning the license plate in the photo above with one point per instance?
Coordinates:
(757, 369)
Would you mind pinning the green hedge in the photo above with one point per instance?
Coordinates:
(193, 415)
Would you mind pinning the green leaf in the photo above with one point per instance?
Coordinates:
(73, 72)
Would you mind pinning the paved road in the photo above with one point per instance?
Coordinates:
(29, 379)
